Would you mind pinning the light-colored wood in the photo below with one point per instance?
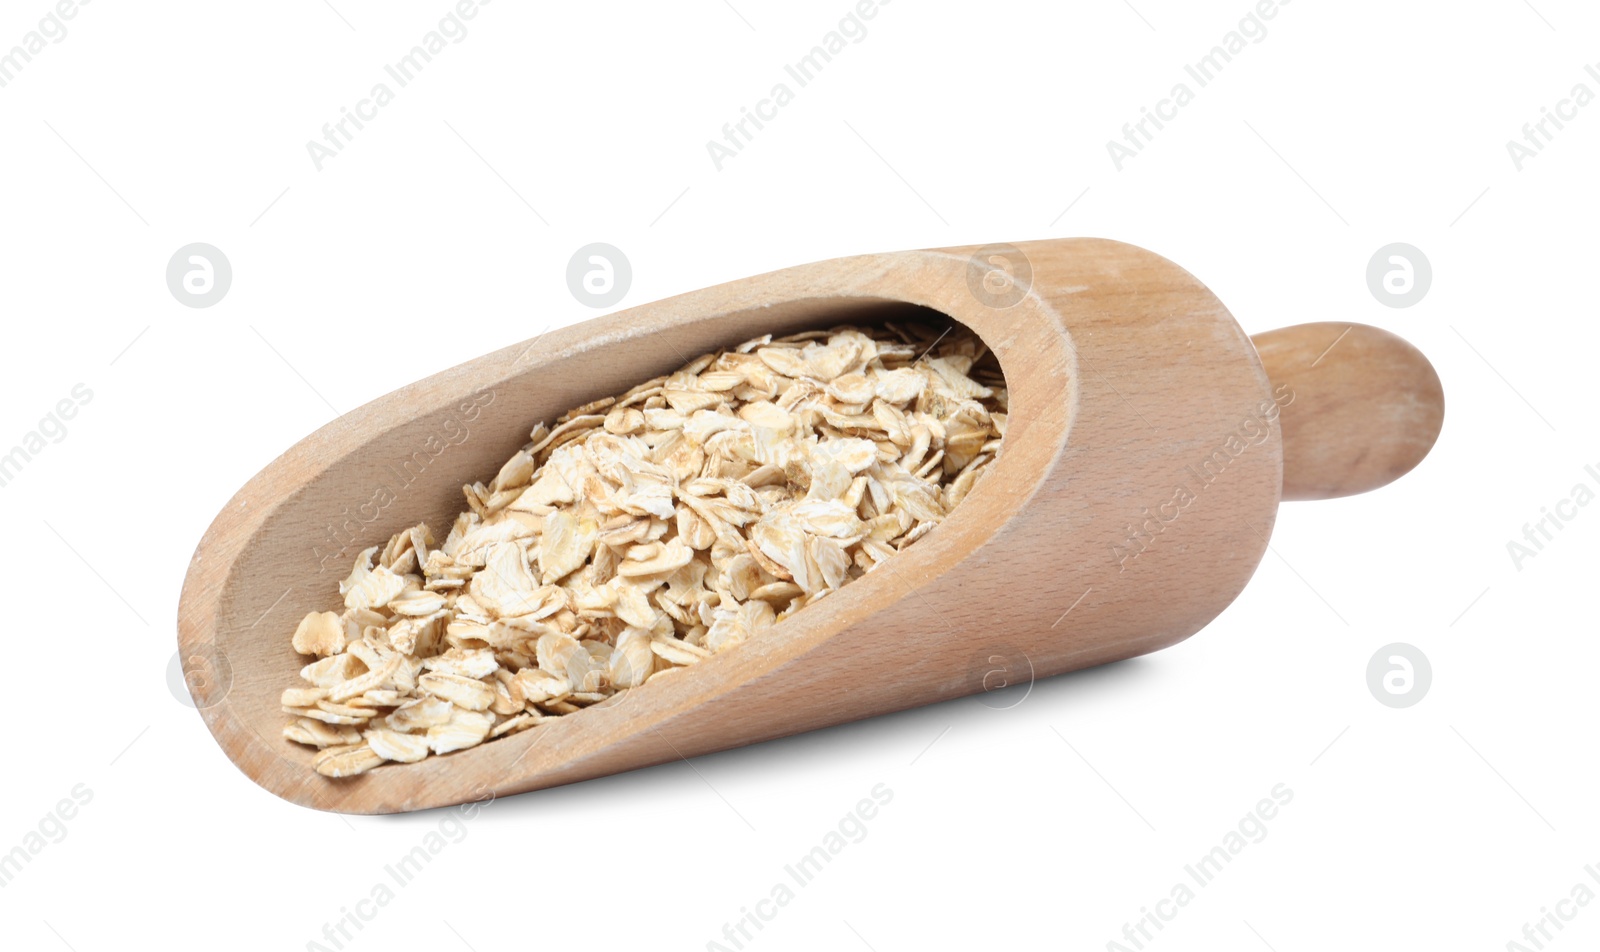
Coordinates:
(1134, 496)
(1368, 406)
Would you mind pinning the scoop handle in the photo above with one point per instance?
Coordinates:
(1366, 406)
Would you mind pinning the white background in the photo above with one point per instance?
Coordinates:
(1449, 824)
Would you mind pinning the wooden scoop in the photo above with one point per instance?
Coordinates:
(1149, 442)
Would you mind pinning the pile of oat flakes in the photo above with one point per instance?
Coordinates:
(645, 532)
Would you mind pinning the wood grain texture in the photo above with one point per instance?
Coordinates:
(1368, 406)
(1137, 486)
